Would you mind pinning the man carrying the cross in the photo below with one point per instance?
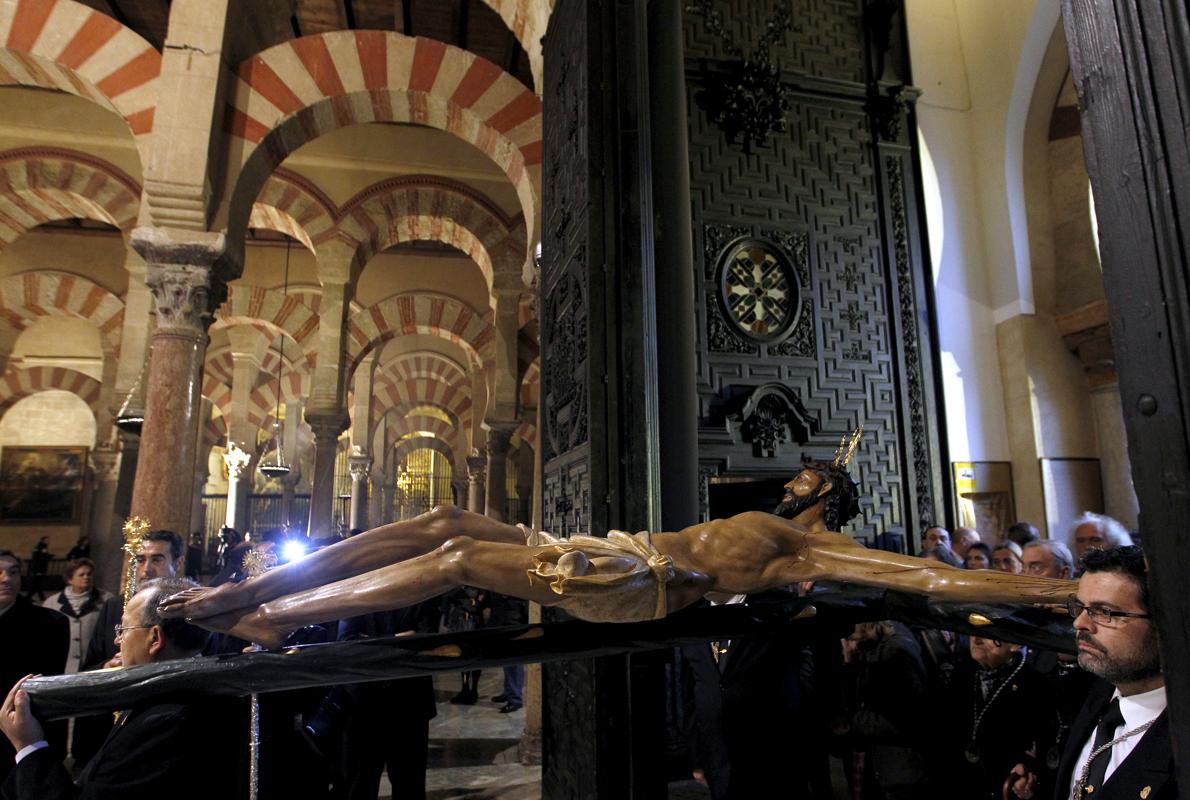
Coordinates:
(622, 578)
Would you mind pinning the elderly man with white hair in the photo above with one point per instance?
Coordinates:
(1093, 531)
(1048, 558)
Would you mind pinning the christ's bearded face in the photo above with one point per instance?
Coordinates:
(801, 493)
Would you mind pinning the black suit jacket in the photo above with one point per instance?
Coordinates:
(33, 640)
(743, 713)
(182, 750)
(1150, 764)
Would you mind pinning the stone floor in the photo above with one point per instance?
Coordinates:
(473, 751)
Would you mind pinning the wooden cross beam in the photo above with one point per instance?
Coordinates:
(831, 614)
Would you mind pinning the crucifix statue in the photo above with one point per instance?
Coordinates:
(621, 578)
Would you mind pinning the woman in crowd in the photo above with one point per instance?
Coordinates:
(979, 556)
(80, 601)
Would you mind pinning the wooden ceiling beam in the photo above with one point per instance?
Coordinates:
(464, 21)
(403, 16)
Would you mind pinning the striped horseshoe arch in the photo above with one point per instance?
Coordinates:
(297, 91)
(67, 47)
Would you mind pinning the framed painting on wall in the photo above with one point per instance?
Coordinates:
(41, 485)
(1069, 486)
(983, 497)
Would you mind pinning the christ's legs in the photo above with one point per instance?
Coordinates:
(377, 548)
(460, 561)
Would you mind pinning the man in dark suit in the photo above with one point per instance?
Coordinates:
(1119, 745)
(32, 640)
(744, 710)
(388, 722)
(176, 748)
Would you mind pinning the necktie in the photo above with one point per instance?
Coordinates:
(1104, 733)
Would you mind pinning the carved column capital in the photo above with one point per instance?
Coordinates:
(360, 467)
(327, 424)
(105, 463)
(499, 437)
(183, 273)
(237, 462)
(477, 464)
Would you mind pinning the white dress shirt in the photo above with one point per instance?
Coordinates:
(1136, 710)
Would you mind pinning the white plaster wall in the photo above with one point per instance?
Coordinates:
(50, 418)
(962, 174)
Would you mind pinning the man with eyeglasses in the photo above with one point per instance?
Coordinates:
(177, 747)
(1119, 745)
(161, 555)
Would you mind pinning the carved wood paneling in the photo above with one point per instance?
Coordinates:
(827, 40)
(812, 190)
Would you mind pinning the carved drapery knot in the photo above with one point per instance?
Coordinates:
(237, 462)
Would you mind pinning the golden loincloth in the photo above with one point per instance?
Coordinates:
(622, 578)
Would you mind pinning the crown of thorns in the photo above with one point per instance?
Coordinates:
(847, 447)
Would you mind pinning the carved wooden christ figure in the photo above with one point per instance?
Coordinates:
(623, 578)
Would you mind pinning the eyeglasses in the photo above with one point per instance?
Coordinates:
(1102, 616)
(120, 629)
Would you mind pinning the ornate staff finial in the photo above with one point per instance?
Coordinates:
(847, 447)
(258, 561)
(135, 529)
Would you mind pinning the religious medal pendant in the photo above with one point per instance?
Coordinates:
(972, 752)
(1053, 758)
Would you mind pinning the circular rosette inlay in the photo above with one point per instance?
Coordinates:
(758, 291)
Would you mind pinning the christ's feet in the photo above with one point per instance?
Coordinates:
(201, 602)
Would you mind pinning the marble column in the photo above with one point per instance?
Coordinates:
(499, 436)
(1115, 465)
(460, 490)
(326, 426)
(101, 527)
(476, 463)
(388, 497)
(376, 499)
(360, 465)
(198, 516)
(181, 275)
(239, 483)
(289, 483)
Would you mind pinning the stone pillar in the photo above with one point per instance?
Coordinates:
(239, 483)
(105, 467)
(673, 253)
(476, 462)
(326, 426)
(460, 489)
(376, 499)
(198, 517)
(507, 288)
(499, 434)
(388, 494)
(360, 464)
(1115, 465)
(289, 482)
(181, 275)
